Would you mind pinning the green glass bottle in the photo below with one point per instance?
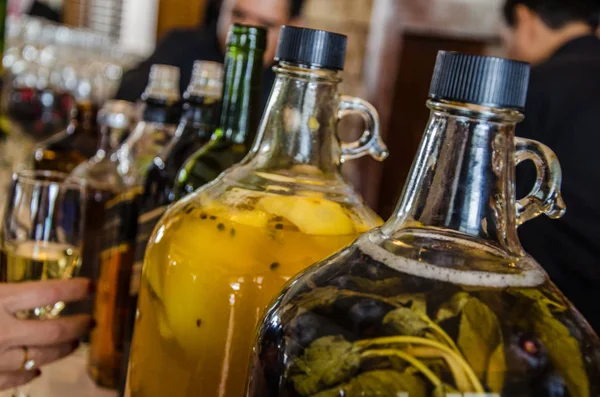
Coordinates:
(231, 142)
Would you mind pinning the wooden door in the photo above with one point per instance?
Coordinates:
(404, 40)
(179, 14)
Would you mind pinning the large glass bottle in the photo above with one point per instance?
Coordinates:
(217, 256)
(77, 143)
(118, 279)
(441, 300)
(231, 142)
(103, 184)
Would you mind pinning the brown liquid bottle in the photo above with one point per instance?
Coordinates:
(128, 167)
(76, 144)
(102, 182)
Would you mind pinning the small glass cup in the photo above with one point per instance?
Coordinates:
(42, 230)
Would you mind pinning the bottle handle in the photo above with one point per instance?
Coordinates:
(545, 197)
(370, 143)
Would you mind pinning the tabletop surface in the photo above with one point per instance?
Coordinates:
(66, 378)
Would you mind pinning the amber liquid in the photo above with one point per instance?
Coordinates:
(35, 261)
(398, 332)
(210, 270)
(112, 293)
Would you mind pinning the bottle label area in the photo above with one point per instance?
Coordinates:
(112, 295)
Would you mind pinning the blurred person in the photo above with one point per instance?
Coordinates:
(181, 47)
(26, 345)
(558, 38)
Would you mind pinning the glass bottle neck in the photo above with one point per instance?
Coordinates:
(111, 138)
(161, 111)
(299, 126)
(199, 116)
(243, 68)
(84, 119)
(463, 177)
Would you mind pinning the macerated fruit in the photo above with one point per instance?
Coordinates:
(250, 218)
(311, 215)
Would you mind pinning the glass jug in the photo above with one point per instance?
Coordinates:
(441, 300)
(218, 256)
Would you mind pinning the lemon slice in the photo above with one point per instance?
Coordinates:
(310, 214)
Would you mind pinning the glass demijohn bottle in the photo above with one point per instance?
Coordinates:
(217, 256)
(441, 300)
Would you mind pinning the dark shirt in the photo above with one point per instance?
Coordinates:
(563, 112)
(181, 48)
(41, 10)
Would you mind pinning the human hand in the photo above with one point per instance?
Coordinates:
(42, 341)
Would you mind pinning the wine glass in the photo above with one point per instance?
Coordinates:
(41, 234)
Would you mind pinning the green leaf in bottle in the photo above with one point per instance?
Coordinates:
(563, 349)
(479, 337)
(496, 369)
(319, 297)
(327, 362)
(453, 307)
(555, 303)
(404, 321)
(382, 383)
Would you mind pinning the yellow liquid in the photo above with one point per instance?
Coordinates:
(210, 271)
(35, 261)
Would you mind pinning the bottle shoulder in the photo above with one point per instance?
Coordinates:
(328, 209)
(101, 173)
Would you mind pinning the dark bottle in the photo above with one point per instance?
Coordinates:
(117, 280)
(103, 185)
(198, 122)
(238, 121)
(441, 299)
(78, 143)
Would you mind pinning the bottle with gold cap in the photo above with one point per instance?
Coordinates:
(217, 257)
(161, 112)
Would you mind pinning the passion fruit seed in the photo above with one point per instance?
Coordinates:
(212, 217)
(221, 227)
(198, 323)
(274, 266)
(279, 226)
(232, 232)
